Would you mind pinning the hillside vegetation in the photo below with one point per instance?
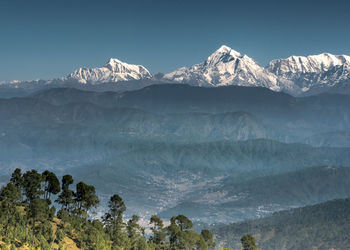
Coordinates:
(29, 220)
(322, 226)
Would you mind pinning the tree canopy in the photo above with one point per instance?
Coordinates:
(32, 193)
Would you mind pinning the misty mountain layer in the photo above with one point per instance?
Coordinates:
(215, 154)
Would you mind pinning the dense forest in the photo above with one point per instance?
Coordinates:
(28, 219)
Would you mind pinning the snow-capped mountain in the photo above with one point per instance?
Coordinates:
(113, 71)
(225, 67)
(316, 71)
(294, 75)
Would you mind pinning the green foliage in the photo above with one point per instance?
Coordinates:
(208, 237)
(65, 198)
(85, 197)
(38, 210)
(159, 236)
(32, 185)
(92, 236)
(116, 206)
(135, 233)
(182, 237)
(113, 220)
(10, 193)
(63, 214)
(182, 222)
(60, 234)
(52, 184)
(36, 230)
(248, 242)
(44, 229)
(16, 178)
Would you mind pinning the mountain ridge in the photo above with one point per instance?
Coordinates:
(320, 226)
(113, 71)
(225, 67)
(295, 75)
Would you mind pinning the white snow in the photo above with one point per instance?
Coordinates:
(225, 67)
(323, 70)
(113, 71)
(295, 74)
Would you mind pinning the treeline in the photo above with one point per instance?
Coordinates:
(28, 218)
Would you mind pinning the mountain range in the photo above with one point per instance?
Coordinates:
(222, 141)
(215, 154)
(296, 75)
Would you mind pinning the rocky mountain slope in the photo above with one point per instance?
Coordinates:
(225, 67)
(295, 75)
(113, 71)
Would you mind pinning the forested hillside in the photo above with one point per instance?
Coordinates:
(322, 226)
(28, 219)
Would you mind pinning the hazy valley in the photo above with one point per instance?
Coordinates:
(191, 150)
(220, 142)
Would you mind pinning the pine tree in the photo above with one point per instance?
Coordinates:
(32, 185)
(65, 198)
(158, 230)
(248, 242)
(85, 197)
(208, 237)
(52, 184)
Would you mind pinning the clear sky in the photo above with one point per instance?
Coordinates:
(50, 38)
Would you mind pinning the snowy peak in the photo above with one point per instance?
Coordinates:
(294, 75)
(113, 71)
(225, 67)
(310, 64)
(225, 49)
(312, 72)
(223, 54)
(113, 64)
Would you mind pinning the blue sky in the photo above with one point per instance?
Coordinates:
(49, 39)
